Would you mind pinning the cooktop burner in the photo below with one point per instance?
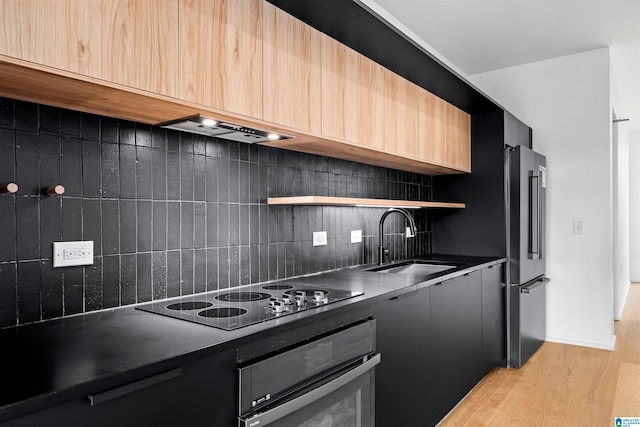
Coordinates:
(249, 305)
(242, 296)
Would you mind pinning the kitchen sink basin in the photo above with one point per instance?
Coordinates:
(420, 268)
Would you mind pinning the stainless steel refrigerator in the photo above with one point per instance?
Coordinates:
(526, 295)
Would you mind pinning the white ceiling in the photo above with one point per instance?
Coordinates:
(475, 36)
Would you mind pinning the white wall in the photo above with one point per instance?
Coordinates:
(634, 202)
(567, 103)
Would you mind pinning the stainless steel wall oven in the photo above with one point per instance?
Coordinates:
(328, 381)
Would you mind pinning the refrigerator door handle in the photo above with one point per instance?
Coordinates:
(530, 287)
(534, 217)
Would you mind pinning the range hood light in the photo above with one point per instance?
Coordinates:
(223, 130)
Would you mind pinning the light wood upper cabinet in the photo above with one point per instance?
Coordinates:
(445, 133)
(401, 116)
(64, 34)
(221, 54)
(131, 42)
(353, 95)
(140, 44)
(291, 71)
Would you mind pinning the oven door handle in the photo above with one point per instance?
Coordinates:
(280, 411)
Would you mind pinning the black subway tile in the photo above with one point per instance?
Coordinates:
(143, 173)
(8, 292)
(143, 135)
(49, 119)
(91, 127)
(199, 178)
(234, 224)
(28, 225)
(212, 179)
(159, 167)
(7, 113)
(254, 260)
(186, 225)
(144, 229)
(212, 269)
(159, 138)
(159, 226)
(29, 292)
(110, 170)
(186, 176)
(234, 266)
(173, 175)
(27, 163)
(26, 116)
(93, 285)
(73, 290)
(223, 268)
(71, 219)
(245, 265)
(223, 224)
(8, 230)
(127, 133)
(173, 273)
(91, 169)
(173, 225)
(200, 225)
(244, 180)
(143, 277)
(70, 123)
(110, 227)
(127, 171)
(50, 224)
(72, 167)
(159, 266)
(111, 281)
(186, 283)
(128, 226)
(200, 270)
(109, 130)
(128, 278)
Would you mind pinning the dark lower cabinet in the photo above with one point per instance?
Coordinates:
(200, 393)
(402, 325)
(436, 344)
(455, 346)
(493, 319)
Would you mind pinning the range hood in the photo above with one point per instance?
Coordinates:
(221, 129)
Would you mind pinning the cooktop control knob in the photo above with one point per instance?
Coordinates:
(299, 300)
(287, 299)
(318, 296)
(272, 301)
(303, 294)
(278, 307)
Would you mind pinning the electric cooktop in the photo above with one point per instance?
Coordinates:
(236, 308)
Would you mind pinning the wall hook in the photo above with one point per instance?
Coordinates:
(9, 188)
(55, 190)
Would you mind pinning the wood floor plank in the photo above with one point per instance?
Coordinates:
(562, 385)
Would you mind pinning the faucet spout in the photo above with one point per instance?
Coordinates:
(412, 228)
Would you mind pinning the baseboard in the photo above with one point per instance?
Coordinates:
(611, 346)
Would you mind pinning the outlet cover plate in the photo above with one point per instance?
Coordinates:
(319, 238)
(67, 254)
(356, 236)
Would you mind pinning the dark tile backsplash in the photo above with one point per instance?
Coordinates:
(172, 213)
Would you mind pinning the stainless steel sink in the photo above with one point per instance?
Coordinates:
(414, 267)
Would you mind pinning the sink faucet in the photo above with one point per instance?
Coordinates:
(411, 233)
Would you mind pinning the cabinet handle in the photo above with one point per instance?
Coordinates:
(105, 396)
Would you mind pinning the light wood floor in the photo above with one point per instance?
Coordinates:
(563, 385)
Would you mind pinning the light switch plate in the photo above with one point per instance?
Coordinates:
(356, 236)
(67, 254)
(319, 238)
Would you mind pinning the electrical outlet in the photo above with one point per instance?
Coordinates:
(577, 227)
(319, 238)
(356, 236)
(66, 254)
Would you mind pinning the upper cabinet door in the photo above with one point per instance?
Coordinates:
(140, 44)
(291, 71)
(63, 34)
(130, 42)
(401, 116)
(221, 54)
(445, 133)
(352, 95)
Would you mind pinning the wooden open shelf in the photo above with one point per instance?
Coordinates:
(361, 202)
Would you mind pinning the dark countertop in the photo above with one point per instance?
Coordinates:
(59, 360)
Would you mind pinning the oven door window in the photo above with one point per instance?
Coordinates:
(351, 405)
